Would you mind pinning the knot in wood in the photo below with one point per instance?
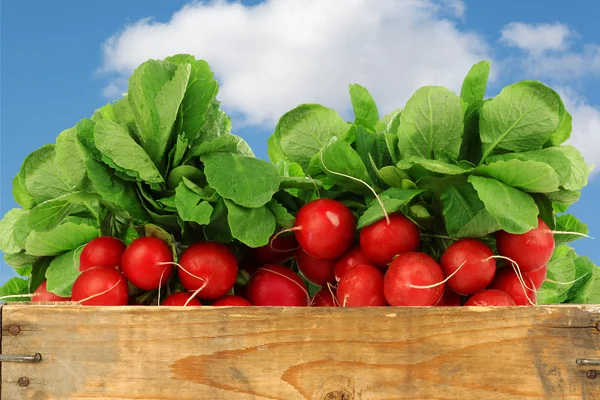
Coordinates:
(338, 395)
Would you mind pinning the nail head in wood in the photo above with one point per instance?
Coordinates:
(23, 381)
(14, 329)
(591, 374)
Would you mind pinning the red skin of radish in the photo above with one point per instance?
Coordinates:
(276, 285)
(325, 228)
(104, 251)
(214, 263)
(315, 270)
(142, 260)
(277, 251)
(490, 297)
(531, 250)
(538, 276)
(353, 257)
(478, 270)
(97, 280)
(413, 269)
(507, 281)
(235, 301)
(361, 286)
(381, 241)
(42, 294)
(450, 299)
(324, 298)
(180, 298)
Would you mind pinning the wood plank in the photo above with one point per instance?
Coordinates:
(301, 353)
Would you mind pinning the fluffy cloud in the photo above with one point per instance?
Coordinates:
(278, 54)
(538, 38)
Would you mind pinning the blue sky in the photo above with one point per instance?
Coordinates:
(57, 66)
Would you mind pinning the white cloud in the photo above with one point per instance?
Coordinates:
(536, 38)
(273, 56)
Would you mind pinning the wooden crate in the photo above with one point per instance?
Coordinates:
(300, 353)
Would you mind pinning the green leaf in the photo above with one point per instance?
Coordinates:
(177, 152)
(560, 270)
(432, 121)
(218, 229)
(372, 149)
(8, 242)
(274, 150)
(24, 271)
(470, 148)
(156, 89)
(51, 213)
(465, 213)
(393, 200)
(365, 109)
(303, 131)
(474, 85)
(115, 223)
(206, 193)
(521, 118)
(282, 216)
(564, 197)
(251, 226)
(191, 207)
(514, 210)
(38, 273)
(85, 136)
(569, 223)
(224, 144)
(338, 156)
(443, 168)
(544, 205)
(579, 169)
(20, 194)
(217, 124)
(188, 171)
(392, 176)
(563, 132)
(62, 273)
(43, 180)
(19, 260)
(248, 181)
(14, 287)
(529, 176)
(590, 292)
(121, 151)
(69, 159)
(64, 237)
(158, 232)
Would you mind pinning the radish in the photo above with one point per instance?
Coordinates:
(325, 228)
(319, 272)
(276, 285)
(181, 299)
(100, 286)
(42, 294)
(279, 250)
(208, 268)
(537, 277)
(232, 301)
(147, 262)
(104, 251)
(521, 291)
(531, 250)
(478, 269)
(324, 298)
(361, 286)
(414, 279)
(353, 257)
(387, 238)
(490, 297)
(450, 299)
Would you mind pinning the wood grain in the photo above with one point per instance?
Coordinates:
(301, 353)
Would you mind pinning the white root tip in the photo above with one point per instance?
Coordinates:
(439, 283)
(101, 293)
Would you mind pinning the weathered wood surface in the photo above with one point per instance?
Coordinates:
(300, 353)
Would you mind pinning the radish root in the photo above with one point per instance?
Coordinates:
(571, 233)
(517, 270)
(335, 300)
(101, 293)
(179, 266)
(10, 296)
(439, 283)
(195, 293)
(290, 279)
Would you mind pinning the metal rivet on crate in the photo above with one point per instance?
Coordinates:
(591, 374)
(23, 381)
(598, 326)
(14, 329)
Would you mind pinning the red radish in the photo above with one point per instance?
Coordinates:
(180, 299)
(450, 299)
(478, 269)
(314, 270)
(147, 262)
(325, 228)
(361, 286)
(42, 294)
(104, 251)
(414, 279)
(531, 250)
(490, 297)
(353, 257)
(538, 276)
(209, 268)
(277, 251)
(276, 285)
(100, 286)
(232, 301)
(324, 298)
(507, 280)
(382, 241)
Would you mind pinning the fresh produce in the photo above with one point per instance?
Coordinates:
(455, 198)
(42, 294)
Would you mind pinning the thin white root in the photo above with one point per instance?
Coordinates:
(567, 283)
(316, 186)
(335, 300)
(101, 293)
(76, 259)
(439, 283)
(195, 293)
(345, 299)
(16, 296)
(179, 266)
(571, 233)
(385, 213)
(291, 280)
(517, 270)
(275, 236)
(160, 285)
